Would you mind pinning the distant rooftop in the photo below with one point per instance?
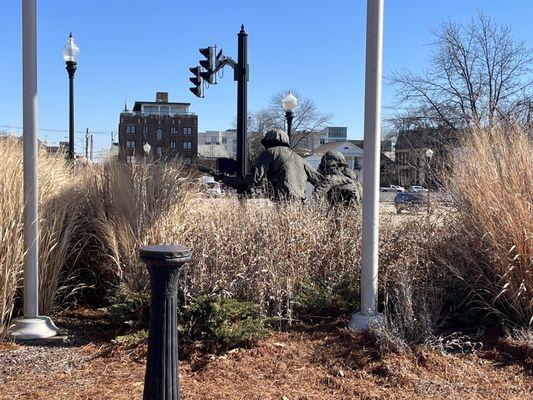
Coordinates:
(161, 106)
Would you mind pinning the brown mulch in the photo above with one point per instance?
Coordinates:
(326, 362)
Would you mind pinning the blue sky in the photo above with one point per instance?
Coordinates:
(135, 48)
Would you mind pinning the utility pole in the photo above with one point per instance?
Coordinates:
(368, 316)
(91, 148)
(87, 144)
(32, 325)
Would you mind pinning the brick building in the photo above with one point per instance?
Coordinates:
(413, 167)
(169, 128)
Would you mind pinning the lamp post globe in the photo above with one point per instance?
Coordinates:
(289, 104)
(429, 153)
(147, 148)
(71, 53)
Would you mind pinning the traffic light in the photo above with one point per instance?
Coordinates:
(197, 81)
(209, 64)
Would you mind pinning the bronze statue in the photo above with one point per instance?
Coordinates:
(286, 172)
(338, 183)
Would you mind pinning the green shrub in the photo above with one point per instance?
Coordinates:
(131, 309)
(321, 298)
(208, 322)
(218, 323)
(132, 339)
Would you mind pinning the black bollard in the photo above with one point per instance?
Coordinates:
(163, 263)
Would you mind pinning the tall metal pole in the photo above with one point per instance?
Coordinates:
(368, 316)
(71, 69)
(91, 147)
(87, 144)
(242, 75)
(29, 104)
(32, 326)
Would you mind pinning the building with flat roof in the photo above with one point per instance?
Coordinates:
(305, 143)
(168, 127)
(226, 139)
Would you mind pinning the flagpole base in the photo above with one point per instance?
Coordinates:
(40, 327)
(365, 321)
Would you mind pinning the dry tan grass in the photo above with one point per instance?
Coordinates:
(493, 182)
(95, 218)
(56, 226)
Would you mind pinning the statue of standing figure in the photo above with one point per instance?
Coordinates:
(286, 171)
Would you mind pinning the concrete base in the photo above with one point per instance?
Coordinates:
(363, 321)
(40, 327)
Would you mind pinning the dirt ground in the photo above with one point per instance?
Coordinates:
(316, 362)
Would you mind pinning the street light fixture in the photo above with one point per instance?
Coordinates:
(147, 148)
(71, 52)
(429, 155)
(289, 103)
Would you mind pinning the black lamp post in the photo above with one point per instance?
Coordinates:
(289, 105)
(429, 155)
(71, 53)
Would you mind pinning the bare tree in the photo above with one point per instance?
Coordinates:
(479, 75)
(308, 120)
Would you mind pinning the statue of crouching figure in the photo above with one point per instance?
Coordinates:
(337, 183)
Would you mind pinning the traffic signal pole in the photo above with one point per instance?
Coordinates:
(241, 76)
(206, 73)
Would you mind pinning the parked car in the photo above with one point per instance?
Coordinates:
(392, 188)
(409, 201)
(417, 189)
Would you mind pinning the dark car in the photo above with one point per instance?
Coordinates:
(409, 201)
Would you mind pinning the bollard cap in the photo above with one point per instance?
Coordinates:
(164, 252)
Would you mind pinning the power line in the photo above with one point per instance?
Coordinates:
(58, 130)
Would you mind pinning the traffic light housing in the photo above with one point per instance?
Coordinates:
(196, 80)
(209, 64)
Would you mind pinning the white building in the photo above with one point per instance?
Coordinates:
(309, 142)
(352, 153)
(226, 139)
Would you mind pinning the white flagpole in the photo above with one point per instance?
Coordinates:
(32, 326)
(369, 316)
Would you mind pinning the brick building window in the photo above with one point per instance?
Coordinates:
(145, 130)
(130, 128)
(130, 144)
(173, 145)
(187, 145)
(187, 160)
(173, 130)
(130, 159)
(159, 134)
(187, 131)
(159, 151)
